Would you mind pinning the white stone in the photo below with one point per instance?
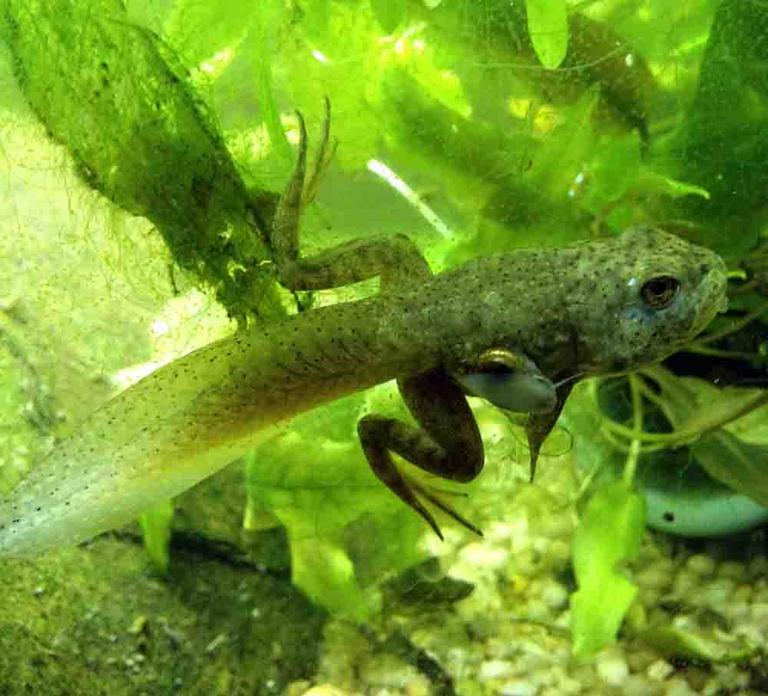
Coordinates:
(660, 670)
(612, 667)
(554, 595)
(519, 688)
(494, 669)
(484, 555)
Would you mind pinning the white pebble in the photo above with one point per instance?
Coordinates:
(612, 667)
(700, 564)
(519, 688)
(638, 685)
(660, 670)
(677, 686)
(536, 610)
(494, 669)
(483, 555)
(554, 595)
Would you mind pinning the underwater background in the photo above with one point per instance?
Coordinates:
(143, 147)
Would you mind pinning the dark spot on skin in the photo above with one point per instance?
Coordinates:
(669, 516)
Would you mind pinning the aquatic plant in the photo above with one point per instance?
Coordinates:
(538, 128)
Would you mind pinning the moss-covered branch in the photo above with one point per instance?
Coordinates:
(111, 92)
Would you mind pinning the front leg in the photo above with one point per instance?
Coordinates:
(396, 260)
(447, 444)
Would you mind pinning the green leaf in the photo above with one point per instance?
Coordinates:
(333, 508)
(200, 30)
(653, 182)
(740, 465)
(325, 572)
(679, 643)
(156, 528)
(735, 454)
(389, 13)
(609, 534)
(548, 29)
(611, 175)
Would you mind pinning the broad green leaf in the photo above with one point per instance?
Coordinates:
(315, 480)
(741, 465)
(737, 452)
(324, 571)
(209, 32)
(610, 178)
(694, 405)
(608, 535)
(548, 29)
(389, 13)
(721, 144)
(156, 529)
(341, 59)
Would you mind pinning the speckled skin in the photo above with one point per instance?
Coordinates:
(574, 310)
(570, 310)
(578, 309)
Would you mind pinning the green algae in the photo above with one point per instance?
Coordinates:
(68, 626)
(113, 93)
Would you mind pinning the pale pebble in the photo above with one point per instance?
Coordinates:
(612, 666)
(387, 671)
(554, 594)
(660, 670)
(637, 685)
(324, 690)
(677, 686)
(701, 565)
(494, 669)
(519, 688)
(499, 532)
(536, 610)
(560, 553)
(485, 556)
(654, 577)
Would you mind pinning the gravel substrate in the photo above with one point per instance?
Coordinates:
(510, 635)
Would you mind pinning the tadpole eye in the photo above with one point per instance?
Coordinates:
(659, 292)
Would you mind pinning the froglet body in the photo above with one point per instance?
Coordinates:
(599, 307)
